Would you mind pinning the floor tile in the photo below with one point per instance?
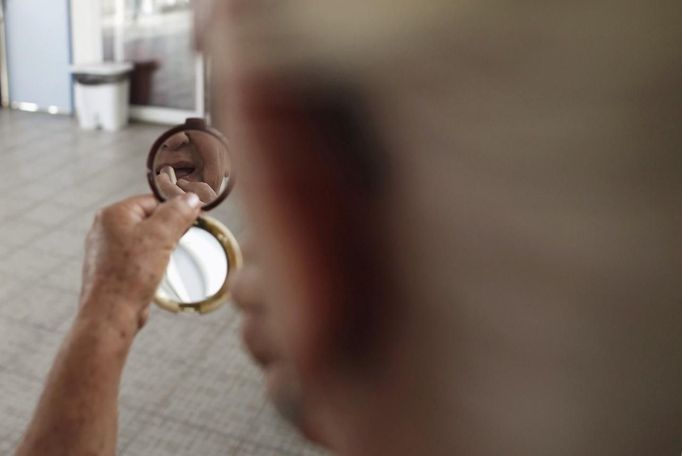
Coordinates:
(188, 387)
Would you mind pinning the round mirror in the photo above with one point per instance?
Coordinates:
(194, 158)
(191, 158)
(199, 268)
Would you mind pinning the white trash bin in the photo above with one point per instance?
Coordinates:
(102, 92)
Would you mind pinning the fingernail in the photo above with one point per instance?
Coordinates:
(192, 200)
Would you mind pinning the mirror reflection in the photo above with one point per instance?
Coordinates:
(197, 270)
(192, 161)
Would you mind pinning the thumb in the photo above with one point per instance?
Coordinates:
(175, 216)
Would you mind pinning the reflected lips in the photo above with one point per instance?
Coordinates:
(183, 172)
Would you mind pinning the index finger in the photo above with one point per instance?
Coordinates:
(167, 188)
(205, 192)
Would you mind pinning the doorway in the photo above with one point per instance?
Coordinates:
(167, 84)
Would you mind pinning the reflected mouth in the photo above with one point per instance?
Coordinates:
(183, 172)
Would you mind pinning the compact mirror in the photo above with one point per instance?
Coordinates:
(195, 158)
(191, 158)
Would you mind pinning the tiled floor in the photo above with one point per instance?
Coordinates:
(188, 388)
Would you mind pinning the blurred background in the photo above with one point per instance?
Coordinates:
(74, 136)
(156, 36)
(44, 41)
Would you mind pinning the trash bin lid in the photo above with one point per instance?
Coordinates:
(102, 69)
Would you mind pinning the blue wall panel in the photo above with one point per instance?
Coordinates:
(39, 52)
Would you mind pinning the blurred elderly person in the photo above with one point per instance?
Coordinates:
(466, 224)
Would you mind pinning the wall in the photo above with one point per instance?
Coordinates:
(86, 31)
(39, 53)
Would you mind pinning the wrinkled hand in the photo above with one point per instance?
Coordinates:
(126, 254)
